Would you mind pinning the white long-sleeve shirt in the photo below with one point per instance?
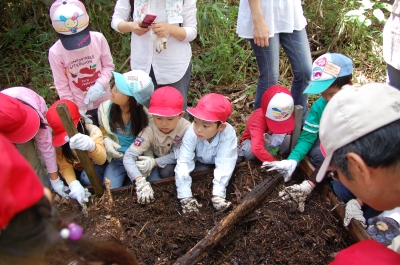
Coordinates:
(221, 151)
(171, 64)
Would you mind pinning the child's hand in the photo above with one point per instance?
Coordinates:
(94, 93)
(138, 30)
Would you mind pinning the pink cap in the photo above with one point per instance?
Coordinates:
(166, 101)
(212, 107)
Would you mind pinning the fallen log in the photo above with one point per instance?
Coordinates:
(249, 203)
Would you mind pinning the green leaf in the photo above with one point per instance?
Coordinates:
(379, 15)
(367, 4)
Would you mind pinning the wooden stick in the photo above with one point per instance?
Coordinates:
(298, 117)
(83, 156)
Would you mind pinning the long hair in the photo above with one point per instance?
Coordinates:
(66, 150)
(36, 230)
(137, 115)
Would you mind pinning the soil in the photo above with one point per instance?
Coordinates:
(159, 233)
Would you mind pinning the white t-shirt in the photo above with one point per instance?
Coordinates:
(281, 16)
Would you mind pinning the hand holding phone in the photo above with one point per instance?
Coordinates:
(148, 20)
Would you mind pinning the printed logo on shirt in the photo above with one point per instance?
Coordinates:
(87, 74)
(121, 131)
(177, 138)
(138, 141)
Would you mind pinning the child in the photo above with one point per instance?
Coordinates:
(22, 122)
(266, 128)
(164, 136)
(30, 226)
(122, 118)
(209, 140)
(80, 60)
(88, 139)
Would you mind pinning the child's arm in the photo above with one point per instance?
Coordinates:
(61, 81)
(257, 128)
(107, 63)
(66, 169)
(261, 30)
(98, 155)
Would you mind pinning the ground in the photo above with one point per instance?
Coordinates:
(159, 233)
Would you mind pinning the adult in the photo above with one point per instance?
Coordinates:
(391, 46)
(176, 24)
(365, 158)
(271, 24)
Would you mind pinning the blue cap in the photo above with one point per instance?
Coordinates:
(326, 69)
(135, 84)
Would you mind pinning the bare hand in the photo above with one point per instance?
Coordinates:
(161, 29)
(138, 30)
(261, 34)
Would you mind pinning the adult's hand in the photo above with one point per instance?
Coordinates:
(261, 33)
(135, 28)
(161, 29)
(353, 210)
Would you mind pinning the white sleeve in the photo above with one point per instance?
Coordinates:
(122, 11)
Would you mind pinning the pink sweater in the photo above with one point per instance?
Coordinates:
(75, 71)
(43, 137)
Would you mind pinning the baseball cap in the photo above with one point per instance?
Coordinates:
(135, 84)
(326, 69)
(212, 107)
(18, 122)
(60, 136)
(16, 195)
(277, 106)
(70, 20)
(166, 101)
(354, 112)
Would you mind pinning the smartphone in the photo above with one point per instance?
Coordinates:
(148, 20)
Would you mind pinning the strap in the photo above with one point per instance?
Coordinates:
(132, 8)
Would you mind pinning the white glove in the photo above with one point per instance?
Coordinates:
(94, 93)
(85, 117)
(145, 165)
(285, 167)
(220, 204)
(111, 148)
(59, 187)
(297, 193)
(353, 210)
(190, 205)
(144, 191)
(82, 142)
(78, 192)
(160, 43)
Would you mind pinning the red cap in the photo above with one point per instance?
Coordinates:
(60, 136)
(212, 107)
(18, 122)
(20, 187)
(166, 101)
(277, 106)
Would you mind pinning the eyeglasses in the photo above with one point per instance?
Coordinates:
(334, 175)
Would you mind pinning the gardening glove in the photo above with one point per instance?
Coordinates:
(94, 93)
(297, 193)
(111, 148)
(145, 165)
(190, 205)
(220, 204)
(285, 167)
(353, 210)
(383, 229)
(160, 43)
(78, 192)
(59, 187)
(86, 117)
(82, 142)
(144, 191)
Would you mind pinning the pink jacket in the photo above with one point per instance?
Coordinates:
(43, 137)
(75, 71)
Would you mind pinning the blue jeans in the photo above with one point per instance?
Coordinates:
(315, 155)
(84, 179)
(297, 48)
(116, 173)
(159, 173)
(393, 76)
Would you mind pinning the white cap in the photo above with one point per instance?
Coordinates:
(280, 108)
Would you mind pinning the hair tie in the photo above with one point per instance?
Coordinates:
(73, 232)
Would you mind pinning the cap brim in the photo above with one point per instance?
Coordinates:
(324, 167)
(202, 115)
(280, 127)
(317, 87)
(164, 112)
(75, 41)
(121, 84)
(59, 139)
(28, 130)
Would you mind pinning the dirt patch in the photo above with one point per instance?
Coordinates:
(159, 233)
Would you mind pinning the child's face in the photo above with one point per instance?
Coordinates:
(118, 98)
(330, 92)
(166, 124)
(205, 130)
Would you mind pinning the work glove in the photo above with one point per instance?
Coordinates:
(190, 205)
(285, 167)
(383, 229)
(86, 117)
(145, 165)
(59, 187)
(160, 43)
(220, 204)
(144, 191)
(82, 142)
(297, 193)
(78, 192)
(94, 93)
(111, 148)
(353, 210)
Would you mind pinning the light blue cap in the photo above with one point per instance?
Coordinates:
(135, 84)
